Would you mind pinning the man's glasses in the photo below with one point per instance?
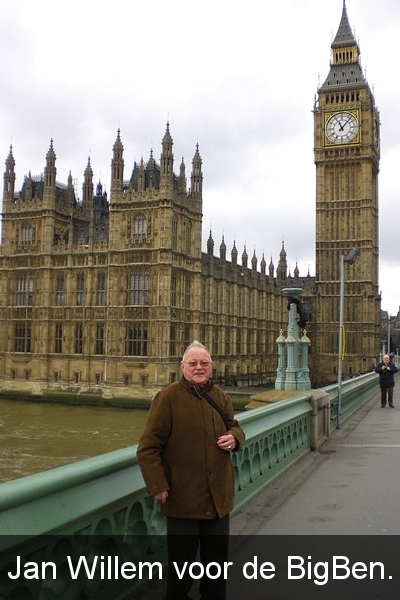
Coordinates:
(193, 363)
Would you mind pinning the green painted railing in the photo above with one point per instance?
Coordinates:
(277, 436)
(98, 509)
(355, 392)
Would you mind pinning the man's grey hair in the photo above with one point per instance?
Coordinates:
(195, 344)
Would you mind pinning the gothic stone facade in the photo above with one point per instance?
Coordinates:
(102, 295)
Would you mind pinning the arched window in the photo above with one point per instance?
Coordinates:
(174, 234)
(27, 235)
(136, 339)
(23, 337)
(25, 290)
(60, 291)
(80, 290)
(188, 237)
(140, 229)
(101, 290)
(138, 289)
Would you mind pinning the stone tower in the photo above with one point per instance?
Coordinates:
(346, 153)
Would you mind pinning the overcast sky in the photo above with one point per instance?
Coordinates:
(238, 78)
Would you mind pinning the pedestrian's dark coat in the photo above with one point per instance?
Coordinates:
(178, 452)
(386, 378)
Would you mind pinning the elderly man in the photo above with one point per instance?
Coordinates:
(184, 455)
(386, 370)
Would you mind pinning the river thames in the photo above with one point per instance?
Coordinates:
(39, 436)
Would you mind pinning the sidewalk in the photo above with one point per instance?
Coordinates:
(355, 490)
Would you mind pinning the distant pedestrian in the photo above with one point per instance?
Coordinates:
(386, 370)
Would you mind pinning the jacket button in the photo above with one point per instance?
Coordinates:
(207, 432)
(208, 514)
(209, 472)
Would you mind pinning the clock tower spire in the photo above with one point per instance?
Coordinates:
(346, 155)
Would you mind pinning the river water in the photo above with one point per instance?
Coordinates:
(39, 436)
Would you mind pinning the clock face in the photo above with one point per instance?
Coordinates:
(342, 128)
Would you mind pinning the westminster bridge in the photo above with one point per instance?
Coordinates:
(97, 512)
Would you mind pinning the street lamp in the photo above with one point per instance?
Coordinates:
(350, 258)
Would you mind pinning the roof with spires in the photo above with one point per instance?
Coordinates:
(347, 72)
(342, 76)
(307, 281)
(167, 135)
(10, 161)
(151, 171)
(50, 152)
(197, 156)
(344, 35)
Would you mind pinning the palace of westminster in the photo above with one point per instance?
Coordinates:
(104, 294)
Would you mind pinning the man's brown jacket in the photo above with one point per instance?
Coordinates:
(178, 451)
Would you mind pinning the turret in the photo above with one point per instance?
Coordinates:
(167, 164)
(9, 178)
(296, 275)
(271, 269)
(210, 246)
(141, 177)
(222, 250)
(197, 176)
(70, 192)
(50, 172)
(234, 255)
(244, 259)
(28, 187)
(182, 178)
(263, 265)
(281, 271)
(117, 167)
(47, 223)
(87, 188)
(151, 170)
(100, 204)
(254, 263)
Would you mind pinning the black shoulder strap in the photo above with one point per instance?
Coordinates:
(203, 394)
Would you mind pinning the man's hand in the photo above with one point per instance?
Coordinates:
(226, 442)
(161, 496)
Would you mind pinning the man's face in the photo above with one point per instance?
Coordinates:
(197, 366)
(386, 360)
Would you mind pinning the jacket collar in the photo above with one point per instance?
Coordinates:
(190, 387)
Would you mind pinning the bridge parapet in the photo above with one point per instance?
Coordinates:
(98, 509)
(355, 392)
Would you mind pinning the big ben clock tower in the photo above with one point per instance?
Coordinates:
(346, 153)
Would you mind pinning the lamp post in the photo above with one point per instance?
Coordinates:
(350, 258)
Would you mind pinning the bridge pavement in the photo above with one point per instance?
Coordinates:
(351, 486)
